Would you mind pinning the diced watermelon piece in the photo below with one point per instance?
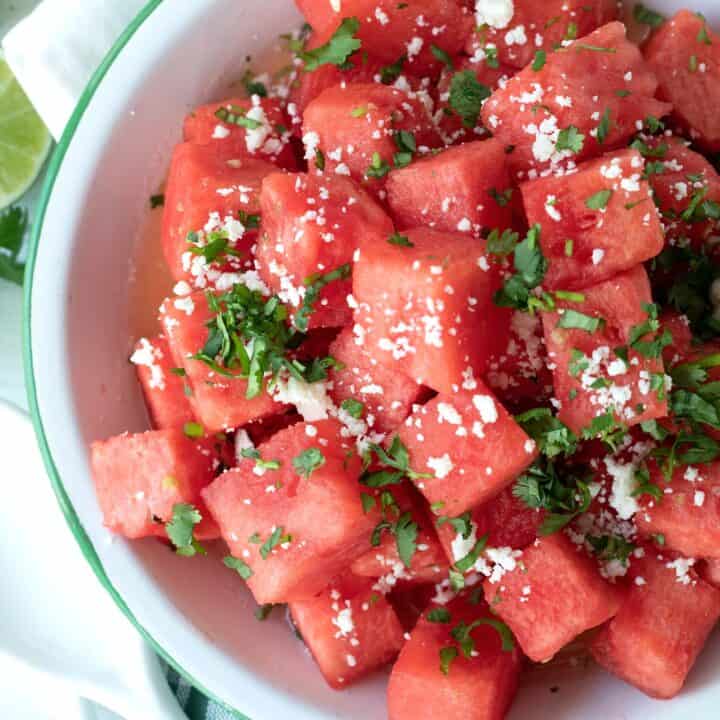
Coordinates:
(530, 26)
(688, 515)
(164, 391)
(390, 30)
(518, 374)
(685, 175)
(553, 595)
(312, 224)
(350, 629)
(470, 445)
(388, 396)
(590, 379)
(426, 309)
(355, 125)
(579, 86)
(480, 687)
(207, 193)
(140, 478)
(596, 222)
(459, 190)
(505, 519)
(709, 571)
(270, 140)
(661, 627)
(322, 513)
(219, 403)
(685, 55)
(428, 563)
(679, 327)
(453, 128)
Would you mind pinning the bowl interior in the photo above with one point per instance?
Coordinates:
(113, 157)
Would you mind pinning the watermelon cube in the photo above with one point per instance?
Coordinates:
(164, 391)
(294, 531)
(387, 395)
(389, 30)
(460, 189)
(591, 380)
(518, 373)
(428, 564)
(506, 521)
(688, 514)
(425, 308)
(140, 478)
(476, 681)
(595, 223)
(709, 571)
(603, 94)
(356, 128)
(469, 445)
(269, 138)
(554, 594)
(529, 26)
(685, 56)
(219, 402)
(212, 197)
(685, 175)
(661, 627)
(350, 629)
(312, 224)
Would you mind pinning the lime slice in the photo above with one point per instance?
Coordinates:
(24, 139)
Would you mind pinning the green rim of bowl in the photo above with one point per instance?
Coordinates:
(65, 504)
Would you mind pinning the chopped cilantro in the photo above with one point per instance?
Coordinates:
(439, 615)
(599, 200)
(308, 461)
(354, 408)
(397, 459)
(401, 240)
(378, 167)
(502, 243)
(241, 567)
(552, 436)
(262, 612)
(319, 159)
(254, 454)
(570, 139)
(607, 429)
(467, 95)
(462, 524)
(603, 129)
(538, 62)
(501, 198)
(574, 320)
(611, 547)
(390, 73)
(442, 56)
(193, 430)
(467, 562)
(13, 226)
(157, 201)
(314, 285)
(368, 502)
(180, 530)
(253, 86)
(236, 115)
(278, 537)
(406, 532)
(645, 16)
(447, 655)
(337, 49)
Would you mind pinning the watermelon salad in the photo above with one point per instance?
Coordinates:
(439, 365)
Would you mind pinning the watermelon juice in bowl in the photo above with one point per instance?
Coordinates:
(433, 367)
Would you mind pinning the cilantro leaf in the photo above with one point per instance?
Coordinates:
(570, 139)
(447, 655)
(439, 615)
(180, 530)
(337, 50)
(645, 16)
(467, 96)
(599, 200)
(603, 129)
(573, 320)
(354, 408)
(241, 567)
(13, 226)
(400, 240)
(308, 461)
(262, 612)
(390, 73)
(552, 436)
(253, 86)
(396, 458)
(442, 56)
(538, 62)
(277, 537)
(406, 532)
(314, 286)
(502, 243)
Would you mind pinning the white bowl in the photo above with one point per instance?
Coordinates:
(199, 616)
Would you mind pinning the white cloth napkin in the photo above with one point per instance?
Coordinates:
(55, 50)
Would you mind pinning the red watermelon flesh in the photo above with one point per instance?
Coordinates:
(218, 402)
(461, 189)
(428, 563)
(387, 395)
(579, 86)
(469, 445)
(595, 223)
(554, 594)
(312, 225)
(709, 570)
(661, 627)
(322, 513)
(355, 126)
(409, 602)
(518, 374)
(270, 140)
(534, 27)
(479, 687)
(390, 30)
(205, 193)
(679, 327)
(164, 391)
(426, 309)
(140, 478)
(688, 514)
(688, 70)
(350, 629)
(590, 380)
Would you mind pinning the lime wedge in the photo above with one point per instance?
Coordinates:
(24, 139)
